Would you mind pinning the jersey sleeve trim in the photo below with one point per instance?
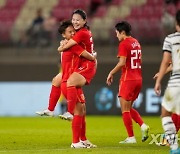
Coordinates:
(166, 51)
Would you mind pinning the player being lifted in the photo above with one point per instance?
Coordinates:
(129, 54)
(171, 100)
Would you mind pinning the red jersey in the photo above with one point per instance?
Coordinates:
(84, 38)
(70, 61)
(131, 49)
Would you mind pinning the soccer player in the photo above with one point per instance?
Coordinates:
(70, 62)
(85, 73)
(171, 100)
(175, 117)
(129, 54)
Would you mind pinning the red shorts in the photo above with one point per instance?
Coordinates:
(129, 90)
(88, 71)
(80, 94)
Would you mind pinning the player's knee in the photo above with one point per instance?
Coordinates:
(71, 82)
(56, 82)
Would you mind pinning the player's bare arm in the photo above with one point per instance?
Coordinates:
(169, 69)
(162, 71)
(88, 56)
(69, 44)
(120, 64)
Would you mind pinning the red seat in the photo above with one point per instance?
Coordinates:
(62, 13)
(101, 11)
(64, 3)
(116, 2)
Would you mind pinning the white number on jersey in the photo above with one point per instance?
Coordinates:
(135, 59)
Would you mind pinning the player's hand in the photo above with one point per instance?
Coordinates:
(63, 42)
(60, 49)
(109, 79)
(157, 89)
(94, 54)
(155, 76)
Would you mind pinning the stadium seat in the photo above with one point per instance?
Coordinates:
(62, 13)
(116, 2)
(101, 11)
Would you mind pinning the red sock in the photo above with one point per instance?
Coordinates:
(54, 96)
(83, 129)
(71, 98)
(76, 128)
(175, 119)
(178, 126)
(136, 116)
(128, 123)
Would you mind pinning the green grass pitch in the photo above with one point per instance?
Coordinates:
(53, 135)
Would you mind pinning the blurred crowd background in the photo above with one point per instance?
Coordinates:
(32, 24)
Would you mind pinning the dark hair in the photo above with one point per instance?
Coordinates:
(83, 15)
(123, 26)
(178, 17)
(63, 25)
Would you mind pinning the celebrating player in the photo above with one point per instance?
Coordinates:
(129, 55)
(170, 103)
(70, 62)
(85, 73)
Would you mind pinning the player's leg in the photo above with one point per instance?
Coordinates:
(53, 97)
(83, 137)
(83, 128)
(66, 115)
(55, 92)
(138, 119)
(125, 91)
(178, 126)
(134, 113)
(176, 120)
(136, 116)
(169, 105)
(125, 109)
(137, 85)
(169, 129)
(78, 79)
(74, 81)
(76, 126)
